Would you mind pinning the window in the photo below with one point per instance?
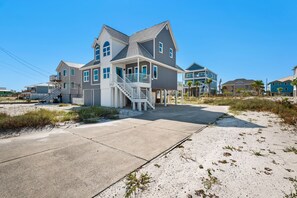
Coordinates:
(96, 75)
(72, 72)
(155, 72)
(171, 53)
(64, 72)
(97, 52)
(86, 76)
(135, 70)
(161, 47)
(106, 49)
(130, 70)
(65, 85)
(72, 85)
(144, 69)
(106, 72)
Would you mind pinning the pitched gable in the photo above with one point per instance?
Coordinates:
(195, 66)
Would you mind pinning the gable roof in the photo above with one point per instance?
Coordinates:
(289, 78)
(71, 64)
(232, 82)
(195, 66)
(117, 34)
(91, 63)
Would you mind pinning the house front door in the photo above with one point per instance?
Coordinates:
(119, 71)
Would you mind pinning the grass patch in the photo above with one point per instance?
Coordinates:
(63, 105)
(92, 114)
(210, 181)
(284, 109)
(290, 149)
(34, 120)
(293, 193)
(134, 183)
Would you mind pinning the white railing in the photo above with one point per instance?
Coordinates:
(131, 92)
(143, 78)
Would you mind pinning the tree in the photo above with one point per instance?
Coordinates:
(258, 85)
(197, 83)
(189, 83)
(294, 84)
(279, 90)
(208, 82)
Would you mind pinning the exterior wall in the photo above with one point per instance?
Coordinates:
(68, 93)
(287, 88)
(105, 62)
(91, 89)
(116, 47)
(133, 65)
(41, 90)
(230, 88)
(149, 46)
(165, 37)
(167, 79)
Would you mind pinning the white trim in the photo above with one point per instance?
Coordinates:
(130, 68)
(142, 69)
(93, 71)
(135, 69)
(157, 73)
(90, 67)
(154, 48)
(162, 48)
(88, 80)
(170, 52)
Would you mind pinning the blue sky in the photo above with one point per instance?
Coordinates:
(244, 38)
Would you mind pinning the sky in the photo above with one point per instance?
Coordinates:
(236, 39)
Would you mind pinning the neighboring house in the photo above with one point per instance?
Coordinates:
(37, 91)
(6, 92)
(284, 83)
(241, 84)
(199, 73)
(295, 76)
(136, 70)
(68, 81)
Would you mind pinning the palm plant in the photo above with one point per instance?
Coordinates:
(208, 82)
(279, 90)
(197, 83)
(258, 85)
(189, 83)
(294, 84)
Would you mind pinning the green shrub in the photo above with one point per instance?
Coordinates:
(34, 120)
(89, 114)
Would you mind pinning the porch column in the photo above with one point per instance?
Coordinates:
(176, 91)
(133, 106)
(139, 106)
(165, 97)
(182, 94)
(145, 106)
(116, 99)
(138, 70)
(161, 97)
(121, 100)
(151, 73)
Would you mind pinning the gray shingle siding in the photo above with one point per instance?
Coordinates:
(91, 84)
(165, 37)
(133, 65)
(149, 46)
(167, 79)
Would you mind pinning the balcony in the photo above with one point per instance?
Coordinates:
(55, 78)
(143, 78)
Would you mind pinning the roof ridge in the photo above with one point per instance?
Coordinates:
(144, 48)
(115, 29)
(149, 27)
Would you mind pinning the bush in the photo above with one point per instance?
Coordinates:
(34, 120)
(90, 114)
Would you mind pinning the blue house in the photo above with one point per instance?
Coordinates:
(196, 72)
(284, 83)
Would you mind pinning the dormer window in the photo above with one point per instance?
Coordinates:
(171, 53)
(161, 47)
(97, 53)
(106, 49)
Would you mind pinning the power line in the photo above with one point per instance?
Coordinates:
(23, 62)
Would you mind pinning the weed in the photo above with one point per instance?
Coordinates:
(211, 180)
(223, 161)
(290, 149)
(91, 114)
(202, 193)
(293, 193)
(271, 152)
(134, 184)
(231, 148)
(63, 105)
(200, 166)
(226, 154)
(157, 165)
(258, 153)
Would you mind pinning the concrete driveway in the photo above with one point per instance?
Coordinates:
(83, 161)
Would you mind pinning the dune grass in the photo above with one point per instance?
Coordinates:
(284, 109)
(92, 114)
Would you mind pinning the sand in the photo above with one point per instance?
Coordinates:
(180, 172)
